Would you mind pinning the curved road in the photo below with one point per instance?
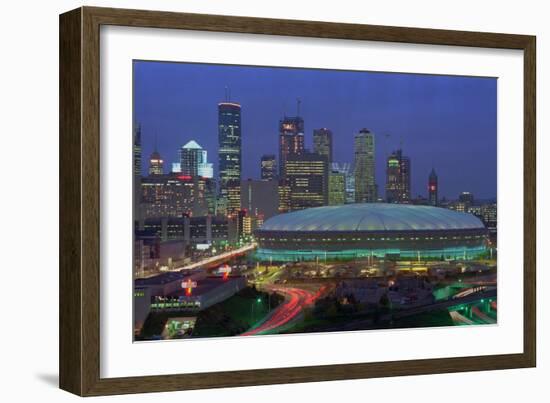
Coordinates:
(296, 299)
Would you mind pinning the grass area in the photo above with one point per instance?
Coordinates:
(335, 320)
(431, 319)
(236, 314)
(428, 319)
(317, 325)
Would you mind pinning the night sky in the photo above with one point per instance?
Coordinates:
(446, 122)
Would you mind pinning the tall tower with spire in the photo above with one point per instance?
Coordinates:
(291, 138)
(432, 188)
(230, 154)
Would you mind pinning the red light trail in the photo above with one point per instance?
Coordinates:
(296, 300)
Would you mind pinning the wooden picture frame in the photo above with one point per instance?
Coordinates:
(80, 189)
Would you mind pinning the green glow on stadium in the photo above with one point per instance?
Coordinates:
(285, 255)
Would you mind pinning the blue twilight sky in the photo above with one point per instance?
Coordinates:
(447, 122)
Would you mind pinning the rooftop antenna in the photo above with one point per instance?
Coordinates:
(386, 138)
(156, 141)
(298, 102)
(227, 94)
(401, 143)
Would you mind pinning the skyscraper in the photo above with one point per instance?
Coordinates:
(176, 168)
(336, 188)
(268, 167)
(189, 158)
(136, 169)
(432, 189)
(489, 217)
(194, 161)
(156, 164)
(347, 169)
(166, 196)
(291, 140)
(137, 151)
(398, 178)
(467, 198)
(209, 193)
(205, 168)
(260, 198)
(284, 196)
(230, 166)
(175, 195)
(406, 178)
(464, 203)
(365, 185)
(307, 178)
(322, 143)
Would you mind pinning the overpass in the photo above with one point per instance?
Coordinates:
(217, 258)
(448, 303)
(442, 304)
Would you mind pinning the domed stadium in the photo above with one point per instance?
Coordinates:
(371, 230)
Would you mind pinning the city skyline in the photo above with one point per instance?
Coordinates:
(248, 221)
(169, 114)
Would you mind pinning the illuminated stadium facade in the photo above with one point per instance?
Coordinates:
(356, 231)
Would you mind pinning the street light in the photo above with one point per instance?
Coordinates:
(258, 301)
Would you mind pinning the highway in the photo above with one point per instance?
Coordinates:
(217, 258)
(458, 318)
(484, 318)
(444, 304)
(296, 299)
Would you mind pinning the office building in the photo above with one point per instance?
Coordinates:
(489, 217)
(175, 196)
(194, 161)
(322, 143)
(284, 196)
(176, 168)
(364, 151)
(307, 177)
(260, 198)
(230, 162)
(291, 140)
(136, 151)
(398, 178)
(192, 231)
(156, 164)
(467, 198)
(347, 170)
(336, 188)
(190, 155)
(268, 167)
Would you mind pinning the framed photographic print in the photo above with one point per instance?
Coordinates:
(250, 201)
